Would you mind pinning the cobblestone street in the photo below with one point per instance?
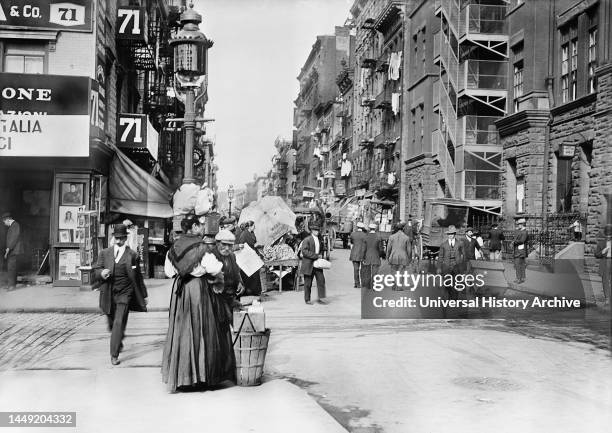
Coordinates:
(27, 339)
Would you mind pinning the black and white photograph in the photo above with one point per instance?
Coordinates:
(68, 217)
(72, 194)
(271, 216)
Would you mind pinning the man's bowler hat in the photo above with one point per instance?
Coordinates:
(120, 231)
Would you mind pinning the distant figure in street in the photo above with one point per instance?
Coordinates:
(357, 240)
(576, 226)
(398, 250)
(469, 244)
(604, 253)
(520, 251)
(451, 257)
(410, 229)
(13, 249)
(371, 261)
(478, 254)
(122, 287)
(252, 283)
(496, 236)
(198, 349)
(312, 249)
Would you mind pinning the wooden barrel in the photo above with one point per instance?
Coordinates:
(250, 350)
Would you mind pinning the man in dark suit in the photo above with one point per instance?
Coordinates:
(520, 251)
(312, 249)
(496, 236)
(122, 287)
(451, 257)
(13, 249)
(469, 248)
(452, 253)
(373, 252)
(357, 252)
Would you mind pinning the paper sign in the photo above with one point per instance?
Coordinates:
(248, 260)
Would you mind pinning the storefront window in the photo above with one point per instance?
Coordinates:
(71, 202)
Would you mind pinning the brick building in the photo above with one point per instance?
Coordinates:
(316, 109)
(91, 82)
(556, 136)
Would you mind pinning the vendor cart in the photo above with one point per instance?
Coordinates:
(267, 280)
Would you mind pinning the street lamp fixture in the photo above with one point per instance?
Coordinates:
(190, 65)
(230, 196)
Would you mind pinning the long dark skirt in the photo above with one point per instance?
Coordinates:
(198, 348)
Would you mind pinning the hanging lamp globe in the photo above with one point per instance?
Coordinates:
(190, 47)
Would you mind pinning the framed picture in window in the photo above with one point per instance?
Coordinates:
(68, 216)
(65, 236)
(71, 193)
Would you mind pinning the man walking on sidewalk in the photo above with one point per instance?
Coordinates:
(358, 252)
(311, 251)
(14, 248)
(122, 287)
(520, 251)
(371, 262)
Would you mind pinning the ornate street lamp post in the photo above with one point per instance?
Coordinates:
(230, 197)
(190, 66)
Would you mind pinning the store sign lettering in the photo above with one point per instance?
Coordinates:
(44, 115)
(74, 15)
(29, 94)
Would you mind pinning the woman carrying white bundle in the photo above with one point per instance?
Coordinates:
(198, 349)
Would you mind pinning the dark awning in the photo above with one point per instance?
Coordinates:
(134, 191)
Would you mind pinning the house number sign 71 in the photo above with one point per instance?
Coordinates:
(128, 15)
(131, 123)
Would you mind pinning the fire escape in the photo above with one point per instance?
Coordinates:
(471, 49)
(142, 41)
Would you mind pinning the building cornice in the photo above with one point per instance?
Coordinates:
(28, 33)
(604, 69)
(522, 120)
(591, 98)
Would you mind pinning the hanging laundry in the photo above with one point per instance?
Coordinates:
(382, 167)
(395, 103)
(391, 178)
(345, 170)
(317, 152)
(395, 63)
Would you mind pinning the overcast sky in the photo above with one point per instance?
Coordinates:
(260, 46)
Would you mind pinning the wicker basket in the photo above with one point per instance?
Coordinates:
(250, 349)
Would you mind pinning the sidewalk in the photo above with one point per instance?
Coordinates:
(564, 281)
(135, 400)
(46, 298)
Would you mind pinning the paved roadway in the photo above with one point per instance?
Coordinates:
(370, 375)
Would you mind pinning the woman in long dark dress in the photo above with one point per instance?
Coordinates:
(252, 284)
(198, 348)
